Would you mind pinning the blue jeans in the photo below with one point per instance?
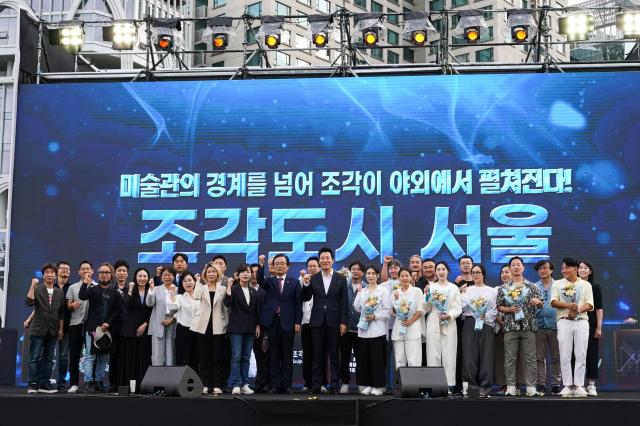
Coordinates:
(100, 359)
(41, 359)
(63, 359)
(241, 346)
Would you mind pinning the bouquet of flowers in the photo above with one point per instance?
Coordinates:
(570, 293)
(370, 308)
(403, 313)
(515, 296)
(439, 301)
(479, 307)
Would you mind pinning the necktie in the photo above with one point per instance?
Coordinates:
(280, 286)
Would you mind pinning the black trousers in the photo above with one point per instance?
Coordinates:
(211, 349)
(280, 355)
(593, 355)
(186, 347)
(459, 352)
(325, 341)
(348, 343)
(113, 358)
(307, 358)
(76, 341)
(263, 378)
(371, 360)
(478, 349)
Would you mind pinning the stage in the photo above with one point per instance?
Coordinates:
(20, 409)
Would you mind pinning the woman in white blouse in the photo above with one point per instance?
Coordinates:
(372, 332)
(408, 306)
(479, 312)
(186, 344)
(442, 333)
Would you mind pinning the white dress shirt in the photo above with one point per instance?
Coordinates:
(326, 280)
(186, 309)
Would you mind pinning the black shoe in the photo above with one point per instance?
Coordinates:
(556, 390)
(101, 388)
(259, 389)
(47, 388)
(273, 391)
(89, 387)
(316, 391)
(61, 387)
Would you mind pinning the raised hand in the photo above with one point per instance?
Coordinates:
(261, 259)
(388, 259)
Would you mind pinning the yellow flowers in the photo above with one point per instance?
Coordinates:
(514, 292)
(479, 302)
(372, 301)
(569, 290)
(439, 297)
(405, 307)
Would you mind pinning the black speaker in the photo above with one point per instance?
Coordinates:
(172, 381)
(411, 382)
(8, 350)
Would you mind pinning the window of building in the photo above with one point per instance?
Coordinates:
(458, 3)
(484, 55)
(219, 3)
(377, 53)
(254, 61)
(250, 37)
(305, 2)
(324, 6)
(436, 5)
(394, 19)
(462, 58)
(301, 63)
(376, 7)
(282, 59)
(362, 4)
(393, 57)
(282, 9)
(393, 37)
(255, 9)
(408, 55)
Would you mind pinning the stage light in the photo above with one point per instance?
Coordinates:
(270, 30)
(417, 28)
(123, 34)
(471, 26)
(522, 25)
(576, 26)
(166, 33)
(69, 35)
(368, 25)
(628, 21)
(219, 29)
(320, 26)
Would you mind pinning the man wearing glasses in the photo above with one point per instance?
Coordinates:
(104, 308)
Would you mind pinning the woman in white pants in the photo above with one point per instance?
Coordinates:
(407, 334)
(162, 324)
(442, 332)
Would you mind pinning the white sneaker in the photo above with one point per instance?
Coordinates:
(511, 391)
(205, 390)
(217, 391)
(377, 391)
(247, 390)
(366, 391)
(566, 392)
(532, 391)
(591, 390)
(236, 391)
(73, 389)
(323, 389)
(305, 389)
(580, 392)
(344, 388)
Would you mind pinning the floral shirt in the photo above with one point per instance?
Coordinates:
(529, 322)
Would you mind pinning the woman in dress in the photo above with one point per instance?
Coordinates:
(443, 306)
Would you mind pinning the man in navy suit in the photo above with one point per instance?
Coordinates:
(328, 316)
(281, 317)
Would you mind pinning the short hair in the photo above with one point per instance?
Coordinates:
(483, 270)
(219, 256)
(503, 267)
(255, 265)
(428, 259)
(325, 250)
(466, 256)
(541, 263)
(168, 268)
(311, 259)
(135, 275)
(515, 258)
(395, 262)
(374, 267)
(82, 262)
(590, 277)
(48, 266)
(187, 274)
(570, 262)
(445, 264)
(119, 263)
(62, 262)
(243, 267)
(215, 268)
(415, 255)
(182, 255)
(358, 264)
(286, 258)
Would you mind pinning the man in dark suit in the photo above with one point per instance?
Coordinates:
(281, 317)
(328, 316)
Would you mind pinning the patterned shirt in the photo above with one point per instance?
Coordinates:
(529, 322)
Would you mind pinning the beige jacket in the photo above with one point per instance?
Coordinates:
(219, 314)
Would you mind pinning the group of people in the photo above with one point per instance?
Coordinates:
(387, 317)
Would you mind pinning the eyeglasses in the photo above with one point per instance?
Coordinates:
(476, 272)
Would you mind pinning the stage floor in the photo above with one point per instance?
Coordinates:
(17, 408)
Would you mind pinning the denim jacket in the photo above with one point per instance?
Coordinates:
(546, 317)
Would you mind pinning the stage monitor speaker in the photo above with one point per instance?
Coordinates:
(171, 381)
(8, 350)
(412, 382)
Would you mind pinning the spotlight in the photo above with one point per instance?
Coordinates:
(219, 28)
(70, 36)
(577, 26)
(522, 25)
(270, 30)
(471, 25)
(417, 28)
(165, 32)
(319, 26)
(628, 21)
(123, 34)
(369, 25)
